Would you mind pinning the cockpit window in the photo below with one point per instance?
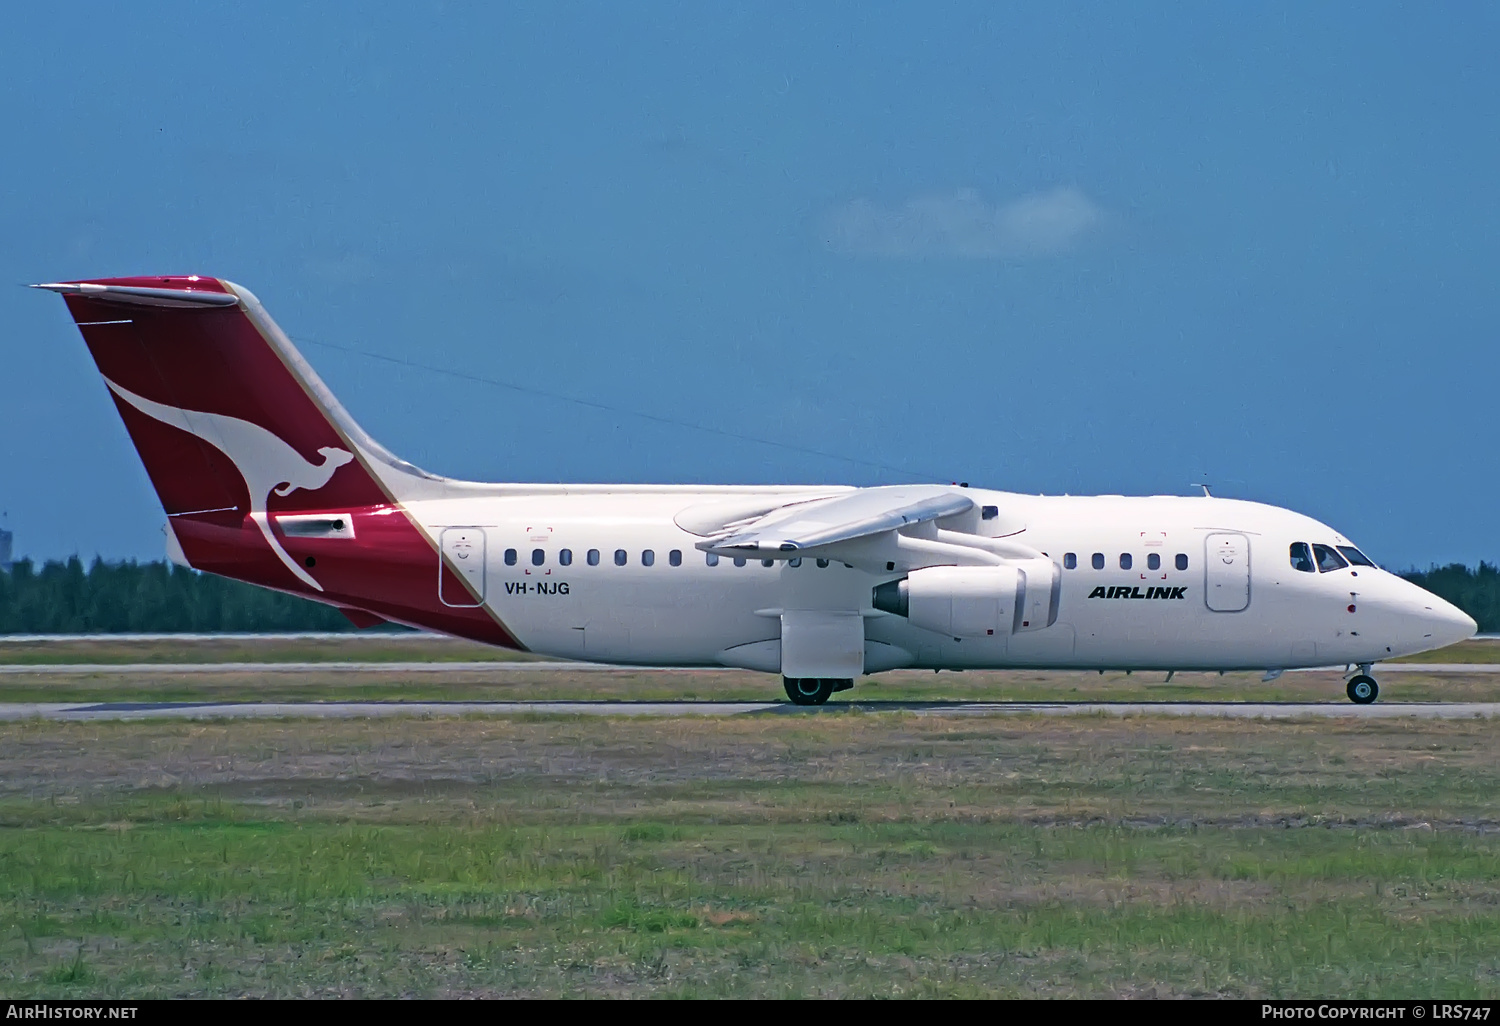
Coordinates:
(1302, 558)
(1328, 559)
(1355, 556)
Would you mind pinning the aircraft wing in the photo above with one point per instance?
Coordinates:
(783, 531)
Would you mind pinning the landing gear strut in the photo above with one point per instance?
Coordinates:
(813, 690)
(1362, 689)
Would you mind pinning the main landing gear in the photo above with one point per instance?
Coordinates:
(813, 690)
(1362, 689)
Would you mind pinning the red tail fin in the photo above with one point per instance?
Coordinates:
(251, 455)
(196, 381)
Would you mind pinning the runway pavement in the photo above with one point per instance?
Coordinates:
(519, 665)
(355, 710)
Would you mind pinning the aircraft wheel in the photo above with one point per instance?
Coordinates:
(807, 690)
(1362, 689)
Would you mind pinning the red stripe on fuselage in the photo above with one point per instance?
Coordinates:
(388, 568)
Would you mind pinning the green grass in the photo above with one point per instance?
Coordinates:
(209, 906)
(854, 855)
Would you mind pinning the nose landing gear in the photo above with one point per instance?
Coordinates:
(1362, 689)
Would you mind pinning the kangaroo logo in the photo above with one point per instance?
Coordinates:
(265, 462)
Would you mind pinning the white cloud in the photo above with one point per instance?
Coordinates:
(963, 224)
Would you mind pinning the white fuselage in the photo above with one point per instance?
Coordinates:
(266, 478)
(1239, 603)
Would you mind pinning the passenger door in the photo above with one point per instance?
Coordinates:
(1226, 572)
(463, 550)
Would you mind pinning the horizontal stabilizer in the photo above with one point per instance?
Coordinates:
(140, 295)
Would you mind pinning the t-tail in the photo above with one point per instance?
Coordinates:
(264, 477)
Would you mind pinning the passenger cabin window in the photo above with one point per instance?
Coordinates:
(620, 557)
(1097, 561)
(768, 562)
(648, 558)
(1125, 561)
(1302, 559)
(1181, 563)
(739, 560)
(675, 557)
(794, 561)
(711, 558)
(593, 557)
(1153, 561)
(823, 563)
(1070, 561)
(510, 557)
(989, 512)
(565, 557)
(1355, 556)
(538, 557)
(1328, 559)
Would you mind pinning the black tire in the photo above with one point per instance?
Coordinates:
(1362, 690)
(807, 690)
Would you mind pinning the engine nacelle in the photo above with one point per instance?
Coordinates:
(959, 601)
(975, 601)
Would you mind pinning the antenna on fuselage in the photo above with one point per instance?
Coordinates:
(1204, 486)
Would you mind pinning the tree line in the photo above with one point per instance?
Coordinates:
(149, 598)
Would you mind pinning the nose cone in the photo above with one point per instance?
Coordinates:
(1453, 624)
(1403, 619)
(1443, 622)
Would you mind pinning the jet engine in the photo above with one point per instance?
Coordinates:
(976, 601)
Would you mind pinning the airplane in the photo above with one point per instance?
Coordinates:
(265, 478)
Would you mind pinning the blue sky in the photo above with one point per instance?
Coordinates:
(1060, 248)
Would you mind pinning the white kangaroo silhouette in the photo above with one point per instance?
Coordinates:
(265, 462)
